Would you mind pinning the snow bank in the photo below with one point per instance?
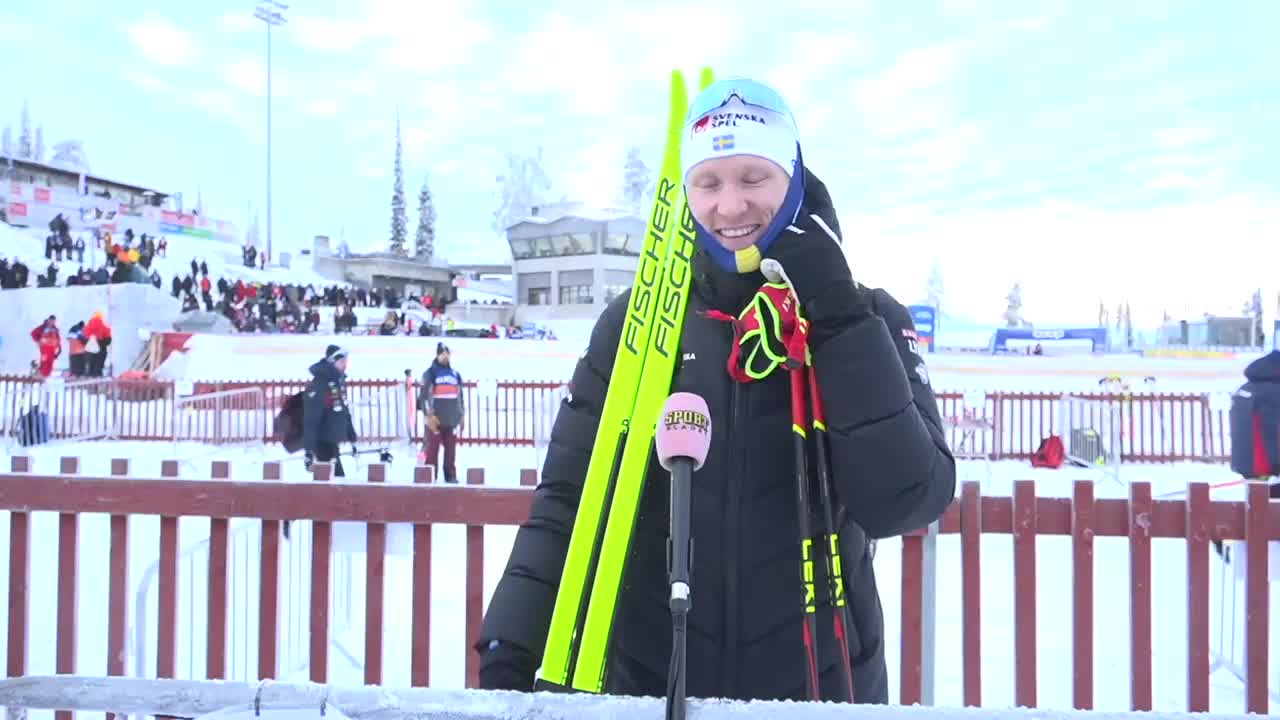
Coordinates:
(187, 698)
(243, 357)
(286, 357)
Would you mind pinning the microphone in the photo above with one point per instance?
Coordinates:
(683, 437)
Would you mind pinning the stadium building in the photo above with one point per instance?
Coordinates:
(569, 260)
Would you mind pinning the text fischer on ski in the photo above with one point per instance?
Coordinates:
(752, 198)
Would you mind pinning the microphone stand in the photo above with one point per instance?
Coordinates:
(679, 562)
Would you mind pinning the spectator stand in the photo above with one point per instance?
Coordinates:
(972, 423)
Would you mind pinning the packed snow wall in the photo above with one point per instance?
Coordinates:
(129, 308)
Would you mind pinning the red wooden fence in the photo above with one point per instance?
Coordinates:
(1154, 427)
(1197, 521)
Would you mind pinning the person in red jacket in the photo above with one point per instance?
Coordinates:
(38, 331)
(50, 348)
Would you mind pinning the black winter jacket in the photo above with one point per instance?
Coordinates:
(326, 417)
(892, 473)
(1262, 387)
(441, 394)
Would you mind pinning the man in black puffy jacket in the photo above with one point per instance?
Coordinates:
(326, 416)
(892, 471)
(1255, 422)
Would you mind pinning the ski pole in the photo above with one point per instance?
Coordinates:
(802, 378)
(810, 627)
(835, 577)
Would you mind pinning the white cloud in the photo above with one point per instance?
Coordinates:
(145, 80)
(359, 86)
(564, 55)
(911, 93)
(161, 42)
(250, 76)
(321, 108)
(17, 26)
(443, 35)
(227, 106)
(317, 33)
(407, 34)
(1182, 137)
(240, 21)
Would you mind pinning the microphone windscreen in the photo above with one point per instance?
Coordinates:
(684, 430)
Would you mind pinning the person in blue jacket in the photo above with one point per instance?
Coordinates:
(441, 401)
(326, 415)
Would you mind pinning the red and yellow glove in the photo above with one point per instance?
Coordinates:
(769, 333)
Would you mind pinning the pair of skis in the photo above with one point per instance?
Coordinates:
(577, 641)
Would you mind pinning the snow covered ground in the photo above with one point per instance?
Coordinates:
(502, 465)
(285, 357)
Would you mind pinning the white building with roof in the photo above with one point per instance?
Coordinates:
(569, 260)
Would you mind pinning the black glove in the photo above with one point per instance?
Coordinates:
(307, 459)
(504, 666)
(813, 259)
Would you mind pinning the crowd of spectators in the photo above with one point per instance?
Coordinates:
(270, 307)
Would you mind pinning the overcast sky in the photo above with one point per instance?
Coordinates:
(1091, 149)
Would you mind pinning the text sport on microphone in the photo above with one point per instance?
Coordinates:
(684, 430)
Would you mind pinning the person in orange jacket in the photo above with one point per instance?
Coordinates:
(99, 332)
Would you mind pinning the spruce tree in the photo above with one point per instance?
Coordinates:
(399, 214)
(424, 242)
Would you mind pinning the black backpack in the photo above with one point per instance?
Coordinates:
(289, 423)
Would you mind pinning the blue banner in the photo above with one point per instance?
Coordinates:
(925, 318)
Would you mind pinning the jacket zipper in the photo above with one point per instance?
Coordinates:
(730, 541)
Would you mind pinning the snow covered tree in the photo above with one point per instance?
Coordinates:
(1013, 309)
(70, 154)
(935, 289)
(1102, 314)
(37, 152)
(424, 242)
(251, 233)
(399, 213)
(6, 142)
(635, 182)
(1128, 326)
(523, 186)
(25, 140)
